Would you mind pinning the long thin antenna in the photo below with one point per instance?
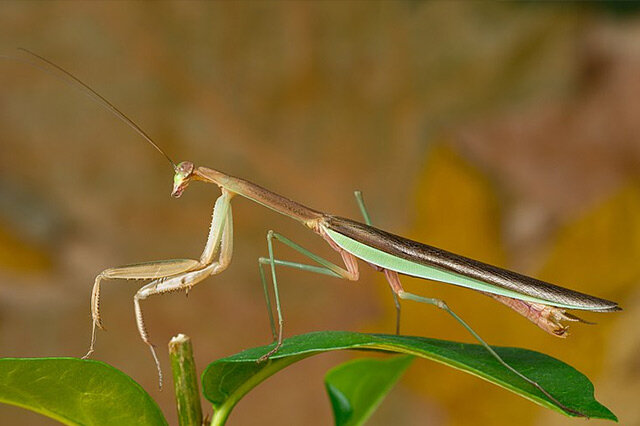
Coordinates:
(68, 78)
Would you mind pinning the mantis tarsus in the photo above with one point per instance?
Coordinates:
(541, 302)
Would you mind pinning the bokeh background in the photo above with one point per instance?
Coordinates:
(508, 132)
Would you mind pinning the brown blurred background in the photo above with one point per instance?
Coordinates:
(506, 132)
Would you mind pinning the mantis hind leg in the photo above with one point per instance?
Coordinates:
(394, 282)
(367, 220)
(326, 268)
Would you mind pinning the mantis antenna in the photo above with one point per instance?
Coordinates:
(68, 78)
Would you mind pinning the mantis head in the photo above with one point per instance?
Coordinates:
(184, 173)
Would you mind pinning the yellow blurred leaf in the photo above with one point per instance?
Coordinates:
(17, 255)
(599, 252)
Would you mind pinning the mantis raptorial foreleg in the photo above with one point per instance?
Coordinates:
(183, 282)
(173, 275)
(327, 268)
(394, 281)
(367, 220)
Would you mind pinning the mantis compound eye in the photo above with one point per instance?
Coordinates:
(184, 172)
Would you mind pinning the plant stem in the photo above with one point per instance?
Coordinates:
(185, 381)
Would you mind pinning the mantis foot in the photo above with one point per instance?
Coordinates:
(266, 356)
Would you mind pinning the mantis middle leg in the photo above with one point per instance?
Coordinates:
(349, 272)
(327, 268)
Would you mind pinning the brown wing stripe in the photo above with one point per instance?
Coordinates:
(432, 256)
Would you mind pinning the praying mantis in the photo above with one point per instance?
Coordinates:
(542, 303)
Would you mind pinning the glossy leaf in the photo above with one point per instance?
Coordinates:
(76, 392)
(227, 380)
(357, 387)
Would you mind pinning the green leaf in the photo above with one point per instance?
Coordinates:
(357, 387)
(227, 380)
(76, 392)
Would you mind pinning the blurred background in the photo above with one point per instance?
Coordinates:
(507, 132)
